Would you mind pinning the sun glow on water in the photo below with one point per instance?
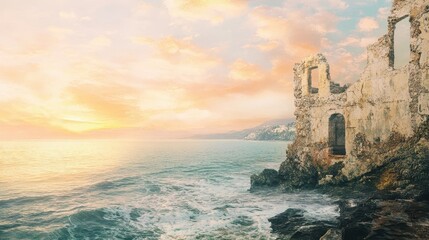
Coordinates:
(178, 189)
(44, 166)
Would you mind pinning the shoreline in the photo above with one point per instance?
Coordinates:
(390, 199)
(363, 214)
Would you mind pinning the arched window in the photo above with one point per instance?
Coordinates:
(337, 134)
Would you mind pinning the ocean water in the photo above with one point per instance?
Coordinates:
(178, 189)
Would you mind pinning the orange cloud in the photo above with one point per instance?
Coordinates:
(246, 80)
(298, 33)
(214, 11)
(21, 120)
(63, 75)
(177, 58)
(367, 24)
(31, 131)
(101, 42)
(27, 78)
(181, 51)
(67, 15)
(105, 106)
(244, 71)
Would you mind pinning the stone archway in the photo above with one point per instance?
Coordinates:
(337, 134)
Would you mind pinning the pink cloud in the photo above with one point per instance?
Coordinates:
(214, 11)
(367, 24)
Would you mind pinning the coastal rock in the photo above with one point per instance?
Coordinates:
(378, 218)
(356, 219)
(369, 138)
(402, 166)
(287, 222)
(268, 177)
(297, 172)
(332, 234)
(292, 224)
(405, 173)
(367, 124)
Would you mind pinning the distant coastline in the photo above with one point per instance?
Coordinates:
(275, 130)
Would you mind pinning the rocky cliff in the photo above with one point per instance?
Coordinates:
(369, 139)
(392, 196)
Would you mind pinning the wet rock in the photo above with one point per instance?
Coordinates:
(268, 177)
(356, 219)
(310, 232)
(287, 222)
(422, 195)
(332, 234)
(387, 143)
(298, 172)
(292, 224)
(381, 218)
(385, 111)
(404, 174)
(389, 202)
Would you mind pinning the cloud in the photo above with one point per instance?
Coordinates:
(67, 15)
(286, 30)
(181, 51)
(29, 80)
(40, 42)
(101, 42)
(176, 58)
(345, 66)
(24, 120)
(104, 105)
(24, 130)
(321, 5)
(211, 114)
(63, 74)
(144, 8)
(357, 42)
(214, 11)
(59, 32)
(266, 46)
(244, 71)
(294, 31)
(367, 24)
(339, 4)
(72, 16)
(383, 13)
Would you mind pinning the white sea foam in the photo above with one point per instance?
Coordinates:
(171, 190)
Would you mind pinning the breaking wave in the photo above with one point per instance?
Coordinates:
(180, 190)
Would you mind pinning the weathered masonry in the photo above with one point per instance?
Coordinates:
(388, 103)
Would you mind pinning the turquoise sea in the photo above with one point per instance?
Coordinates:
(178, 189)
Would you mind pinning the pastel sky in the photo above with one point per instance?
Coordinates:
(168, 68)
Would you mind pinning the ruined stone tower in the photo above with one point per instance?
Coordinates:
(385, 106)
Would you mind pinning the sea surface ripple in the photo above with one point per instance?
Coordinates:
(178, 189)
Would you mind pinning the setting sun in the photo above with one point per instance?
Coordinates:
(181, 67)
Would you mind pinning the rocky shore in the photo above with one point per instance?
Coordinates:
(367, 144)
(389, 200)
(381, 216)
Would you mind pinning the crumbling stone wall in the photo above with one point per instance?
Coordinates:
(385, 105)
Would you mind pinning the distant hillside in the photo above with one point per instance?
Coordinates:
(277, 132)
(280, 130)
